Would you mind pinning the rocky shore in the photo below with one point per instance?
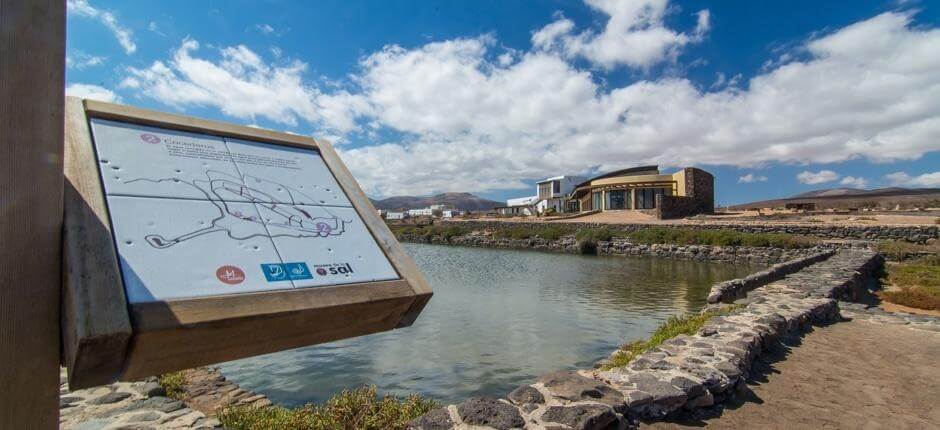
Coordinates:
(686, 373)
(910, 233)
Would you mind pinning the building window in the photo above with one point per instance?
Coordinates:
(545, 190)
(646, 197)
(556, 186)
(596, 201)
(616, 199)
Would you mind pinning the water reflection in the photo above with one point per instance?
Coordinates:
(498, 319)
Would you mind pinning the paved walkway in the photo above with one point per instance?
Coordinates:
(863, 374)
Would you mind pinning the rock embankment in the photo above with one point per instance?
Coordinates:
(127, 405)
(910, 233)
(684, 373)
(624, 247)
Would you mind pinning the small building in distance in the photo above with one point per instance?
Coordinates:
(396, 215)
(518, 206)
(689, 191)
(421, 212)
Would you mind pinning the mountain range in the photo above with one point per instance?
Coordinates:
(851, 197)
(462, 201)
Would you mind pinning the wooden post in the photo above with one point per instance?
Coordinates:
(32, 68)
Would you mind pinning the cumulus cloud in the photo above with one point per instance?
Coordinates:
(904, 180)
(242, 85)
(123, 35)
(464, 119)
(854, 181)
(89, 91)
(820, 177)
(751, 178)
(635, 35)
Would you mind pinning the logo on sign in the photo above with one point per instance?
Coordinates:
(334, 269)
(230, 275)
(150, 138)
(275, 272)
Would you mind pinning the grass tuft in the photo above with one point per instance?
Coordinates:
(173, 383)
(674, 326)
(360, 408)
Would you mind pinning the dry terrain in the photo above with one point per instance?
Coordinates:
(850, 375)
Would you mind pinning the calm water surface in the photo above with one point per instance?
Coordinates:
(498, 319)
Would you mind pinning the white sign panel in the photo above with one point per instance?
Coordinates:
(198, 215)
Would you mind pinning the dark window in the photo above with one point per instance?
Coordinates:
(596, 201)
(616, 199)
(557, 186)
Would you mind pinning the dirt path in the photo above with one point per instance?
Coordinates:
(850, 375)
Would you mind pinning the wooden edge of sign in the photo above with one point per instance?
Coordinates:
(396, 254)
(156, 352)
(137, 115)
(95, 325)
(171, 314)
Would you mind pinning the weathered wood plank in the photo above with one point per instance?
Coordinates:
(95, 325)
(32, 68)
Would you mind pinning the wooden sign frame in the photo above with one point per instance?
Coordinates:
(106, 339)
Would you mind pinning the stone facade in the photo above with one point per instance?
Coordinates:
(685, 373)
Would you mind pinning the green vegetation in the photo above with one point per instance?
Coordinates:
(900, 249)
(689, 236)
(919, 282)
(445, 232)
(674, 326)
(173, 382)
(547, 232)
(352, 409)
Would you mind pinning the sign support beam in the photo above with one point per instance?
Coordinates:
(32, 66)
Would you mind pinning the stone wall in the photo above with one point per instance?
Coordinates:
(684, 373)
(917, 234)
(700, 186)
(674, 207)
(729, 291)
(623, 247)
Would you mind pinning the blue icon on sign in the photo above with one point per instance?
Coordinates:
(298, 271)
(276, 272)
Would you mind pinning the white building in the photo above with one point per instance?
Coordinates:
(420, 212)
(396, 215)
(551, 193)
(450, 213)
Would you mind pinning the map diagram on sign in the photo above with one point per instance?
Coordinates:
(220, 188)
(197, 215)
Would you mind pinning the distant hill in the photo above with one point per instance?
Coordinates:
(462, 201)
(854, 198)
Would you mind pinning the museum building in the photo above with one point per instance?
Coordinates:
(686, 192)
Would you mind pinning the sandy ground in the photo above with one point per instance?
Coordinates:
(634, 217)
(850, 375)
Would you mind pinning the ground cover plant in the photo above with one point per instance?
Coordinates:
(721, 237)
(360, 408)
(173, 383)
(674, 326)
(899, 250)
(918, 283)
(445, 232)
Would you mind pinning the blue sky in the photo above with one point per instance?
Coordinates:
(775, 98)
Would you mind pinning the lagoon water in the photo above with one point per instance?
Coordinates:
(498, 319)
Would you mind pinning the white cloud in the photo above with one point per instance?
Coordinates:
(634, 35)
(751, 178)
(854, 181)
(240, 84)
(80, 60)
(820, 177)
(122, 34)
(469, 121)
(264, 28)
(902, 179)
(89, 91)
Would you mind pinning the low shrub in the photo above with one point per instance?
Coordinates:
(721, 237)
(173, 383)
(919, 282)
(914, 297)
(674, 326)
(360, 408)
(553, 232)
(901, 249)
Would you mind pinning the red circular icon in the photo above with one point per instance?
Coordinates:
(321, 271)
(230, 275)
(149, 138)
